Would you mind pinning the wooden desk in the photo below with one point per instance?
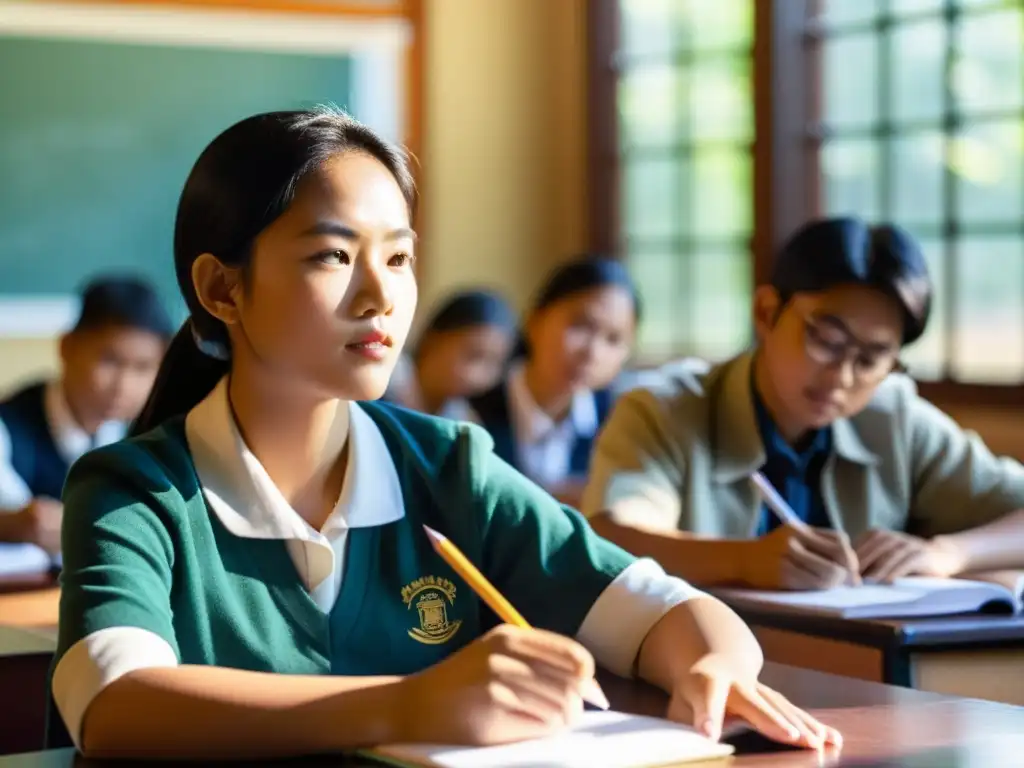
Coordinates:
(33, 608)
(878, 722)
(976, 655)
(27, 581)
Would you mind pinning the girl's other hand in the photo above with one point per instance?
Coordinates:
(712, 690)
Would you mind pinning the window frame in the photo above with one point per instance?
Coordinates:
(787, 109)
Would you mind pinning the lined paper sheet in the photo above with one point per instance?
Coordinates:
(605, 739)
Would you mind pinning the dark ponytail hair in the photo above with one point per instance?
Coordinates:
(241, 183)
(583, 273)
(470, 309)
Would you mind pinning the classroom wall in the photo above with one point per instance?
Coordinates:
(503, 156)
(504, 192)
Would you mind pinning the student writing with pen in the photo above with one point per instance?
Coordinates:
(248, 575)
(821, 409)
(788, 516)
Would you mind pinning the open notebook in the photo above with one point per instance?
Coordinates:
(606, 739)
(905, 598)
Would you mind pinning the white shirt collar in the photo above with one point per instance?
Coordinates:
(71, 440)
(531, 424)
(245, 499)
(458, 409)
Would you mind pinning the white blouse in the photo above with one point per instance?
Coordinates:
(545, 446)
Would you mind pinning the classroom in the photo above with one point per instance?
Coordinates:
(493, 383)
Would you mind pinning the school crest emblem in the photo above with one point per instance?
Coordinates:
(430, 597)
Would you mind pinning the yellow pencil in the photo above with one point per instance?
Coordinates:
(487, 592)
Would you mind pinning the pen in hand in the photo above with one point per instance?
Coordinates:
(778, 505)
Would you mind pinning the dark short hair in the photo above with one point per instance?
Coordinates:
(125, 301)
(832, 252)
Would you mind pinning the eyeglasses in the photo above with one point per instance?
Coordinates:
(828, 343)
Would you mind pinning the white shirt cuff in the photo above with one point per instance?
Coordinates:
(97, 660)
(618, 622)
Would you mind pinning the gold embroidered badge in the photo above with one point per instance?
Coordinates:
(431, 596)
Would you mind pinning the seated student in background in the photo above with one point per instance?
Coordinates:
(108, 363)
(545, 414)
(250, 577)
(820, 407)
(461, 353)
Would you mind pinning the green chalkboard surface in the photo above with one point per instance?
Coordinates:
(96, 140)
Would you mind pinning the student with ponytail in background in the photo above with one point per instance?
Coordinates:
(461, 353)
(242, 576)
(578, 335)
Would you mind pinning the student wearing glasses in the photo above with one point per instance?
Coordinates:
(822, 408)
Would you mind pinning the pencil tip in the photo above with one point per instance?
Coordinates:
(434, 535)
(594, 696)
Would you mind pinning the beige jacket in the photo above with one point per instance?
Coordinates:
(678, 453)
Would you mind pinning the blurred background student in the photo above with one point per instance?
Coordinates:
(108, 362)
(461, 353)
(576, 339)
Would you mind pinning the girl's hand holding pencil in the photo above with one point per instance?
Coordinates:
(514, 683)
(510, 685)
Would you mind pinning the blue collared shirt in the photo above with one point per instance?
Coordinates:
(794, 472)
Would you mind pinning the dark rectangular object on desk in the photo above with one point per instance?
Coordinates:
(23, 701)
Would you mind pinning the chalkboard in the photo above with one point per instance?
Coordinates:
(96, 140)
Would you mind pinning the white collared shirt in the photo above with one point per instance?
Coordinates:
(544, 446)
(70, 439)
(241, 494)
(244, 498)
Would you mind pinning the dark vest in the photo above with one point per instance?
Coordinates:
(34, 455)
(493, 409)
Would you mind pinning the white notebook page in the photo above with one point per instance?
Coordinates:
(906, 590)
(605, 739)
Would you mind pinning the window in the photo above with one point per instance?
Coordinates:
(923, 124)
(906, 110)
(685, 129)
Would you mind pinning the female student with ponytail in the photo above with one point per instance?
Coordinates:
(577, 336)
(248, 576)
